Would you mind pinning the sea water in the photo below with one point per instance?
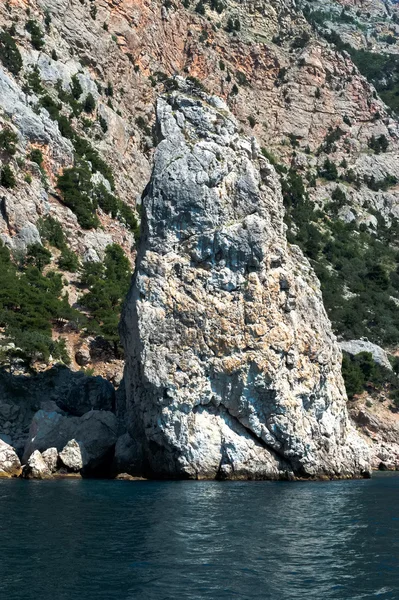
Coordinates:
(120, 540)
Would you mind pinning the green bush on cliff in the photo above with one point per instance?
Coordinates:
(108, 283)
(75, 186)
(361, 372)
(357, 268)
(38, 256)
(51, 231)
(7, 177)
(68, 260)
(8, 141)
(36, 34)
(10, 56)
(29, 303)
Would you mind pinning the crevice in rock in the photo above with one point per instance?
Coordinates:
(274, 452)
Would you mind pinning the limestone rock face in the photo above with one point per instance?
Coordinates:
(232, 370)
(379, 355)
(89, 393)
(10, 465)
(36, 467)
(50, 457)
(73, 456)
(96, 432)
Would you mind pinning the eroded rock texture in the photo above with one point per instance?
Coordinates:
(232, 370)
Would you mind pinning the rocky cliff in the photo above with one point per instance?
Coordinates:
(315, 82)
(232, 370)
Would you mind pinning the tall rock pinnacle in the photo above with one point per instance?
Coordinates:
(232, 369)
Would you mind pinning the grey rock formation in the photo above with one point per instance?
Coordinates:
(54, 391)
(73, 456)
(36, 467)
(50, 457)
(354, 347)
(10, 465)
(96, 431)
(89, 393)
(232, 370)
(127, 453)
(48, 430)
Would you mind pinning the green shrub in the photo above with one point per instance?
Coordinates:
(36, 156)
(86, 152)
(103, 123)
(379, 144)
(108, 283)
(109, 90)
(47, 20)
(51, 231)
(36, 34)
(51, 106)
(8, 141)
(76, 88)
(76, 187)
(89, 103)
(38, 256)
(329, 170)
(380, 184)
(7, 177)
(29, 302)
(339, 198)
(200, 8)
(68, 260)
(361, 372)
(34, 82)
(232, 25)
(10, 56)
(126, 214)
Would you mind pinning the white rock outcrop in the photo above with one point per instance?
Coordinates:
(50, 457)
(10, 465)
(379, 355)
(232, 369)
(73, 456)
(36, 467)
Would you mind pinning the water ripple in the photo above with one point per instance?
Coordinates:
(101, 540)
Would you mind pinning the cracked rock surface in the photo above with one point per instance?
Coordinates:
(232, 369)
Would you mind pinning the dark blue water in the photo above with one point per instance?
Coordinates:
(106, 540)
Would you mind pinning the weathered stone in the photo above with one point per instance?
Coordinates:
(36, 467)
(49, 430)
(97, 430)
(379, 355)
(82, 356)
(89, 393)
(50, 457)
(127, 452)
(210, 392)
(73, 456)
(10, 465)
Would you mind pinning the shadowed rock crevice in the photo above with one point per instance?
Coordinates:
(232, 370)
(52, 414)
